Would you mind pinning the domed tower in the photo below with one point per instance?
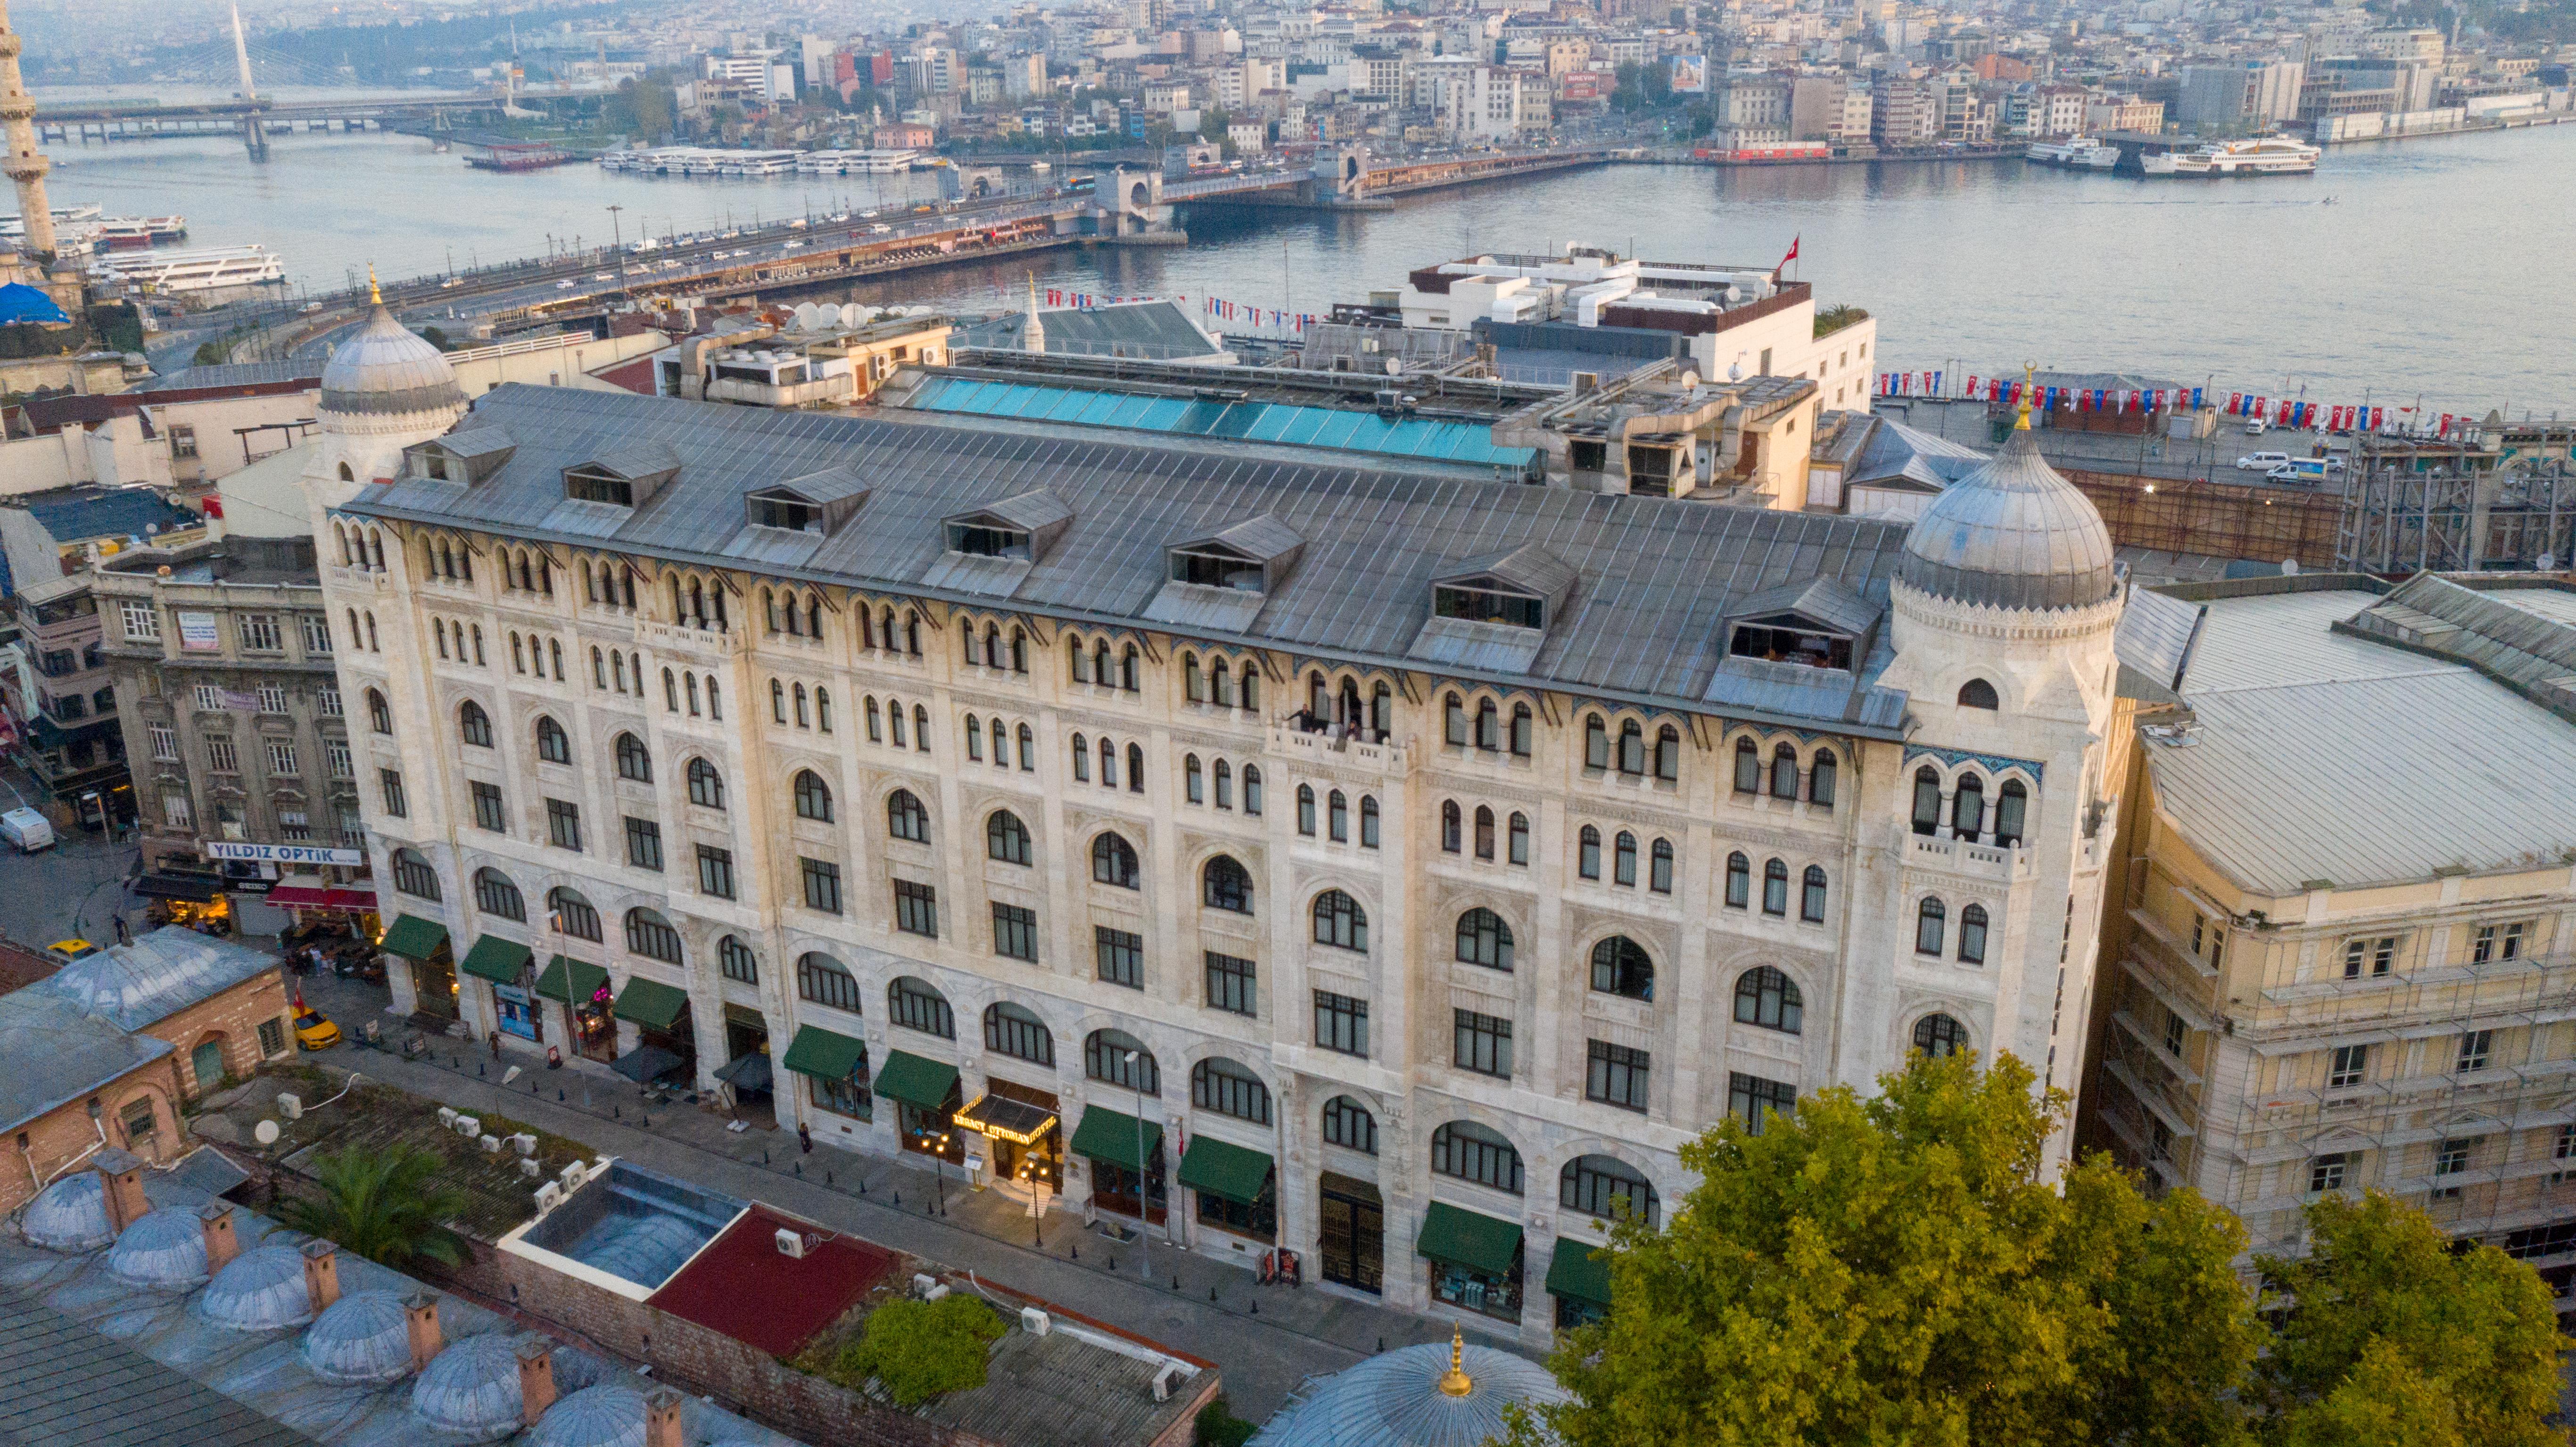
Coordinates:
(2004, 605)
(384, 389)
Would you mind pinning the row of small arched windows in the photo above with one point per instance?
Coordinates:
(1109, 764)
(1967, 814)
(1122, 671)
(1515, 843)
(1623, 859)
(1485, 729)
(1782, 776)
(360, 547)
(1219, 682)
(1336, 820)
(790, 702)
(1630, 756)
(1931, 928)
(793, 611)
(891, 728)
(527, 570)
(1217, 782)
(989, 649)
(1002, 736)
(536, 651)
(1775, 888)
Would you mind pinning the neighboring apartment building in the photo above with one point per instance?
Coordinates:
(66, 718)
(2344, 956)
(1427, 884)
(1905, 113)
(191, 427)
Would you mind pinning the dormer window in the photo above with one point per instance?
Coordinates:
(1216, 569)
(778, 512)
(627, 476)
(434, 465)
(1018, 529)
(1791, 645)
(1489, 605)
(1819, 623)
(989, 542)
(592, 484)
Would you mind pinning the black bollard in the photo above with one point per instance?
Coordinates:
(1112, 1268)
(800, 1167)
(1075, 1251)
(898, 1197)
(863, 1185)
(478, 1068)
(827, 1178)
(1381, 1343)
(559, 1095)
(617, 1111)
(1256, 1306)
(1211, 1293)
(1176, 1283)
(764, 1157)
(648, 1122)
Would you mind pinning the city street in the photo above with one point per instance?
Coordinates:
(70, 891)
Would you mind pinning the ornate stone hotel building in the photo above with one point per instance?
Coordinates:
(1399, 867)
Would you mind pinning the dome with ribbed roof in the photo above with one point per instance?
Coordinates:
(2012, 534)
(1409, 1397)
(386, 369)
(165, 1250)
(71, 1215)
(364, 1338)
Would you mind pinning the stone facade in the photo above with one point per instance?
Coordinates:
(42, 1148)
(248, 1025)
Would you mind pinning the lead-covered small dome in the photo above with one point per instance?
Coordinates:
(472, 1388)
(262, 1289)
(71, 1215)
(1407, 1398)
(362, 1339)
(602, 1416)
(166, 1250)
(385, 369)
(2012, 534)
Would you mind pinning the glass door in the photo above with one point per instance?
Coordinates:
(1353, 1246)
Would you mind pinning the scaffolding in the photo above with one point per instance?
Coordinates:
(2468, 506)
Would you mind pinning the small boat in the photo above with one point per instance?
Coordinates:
(2079, 153)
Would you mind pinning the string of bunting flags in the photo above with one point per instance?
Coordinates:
(1272, 318)
(2279, 411)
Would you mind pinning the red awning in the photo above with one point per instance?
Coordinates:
(297, 896)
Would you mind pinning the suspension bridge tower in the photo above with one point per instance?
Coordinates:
(254, 124)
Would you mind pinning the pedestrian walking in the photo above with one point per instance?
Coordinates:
(495, 1038)
(124, 934)
(804, 1138)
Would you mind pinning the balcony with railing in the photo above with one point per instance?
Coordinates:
(1966, 858)
(1340, 746)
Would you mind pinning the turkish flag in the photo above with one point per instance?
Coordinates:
(1793, 250)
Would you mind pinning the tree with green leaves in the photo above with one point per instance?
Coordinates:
(917, 1350)
(389, 1206)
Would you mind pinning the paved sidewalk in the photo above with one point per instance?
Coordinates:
(1266, 1339)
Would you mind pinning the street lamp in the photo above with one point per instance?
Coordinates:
(1144, 1226)
(939, 1167)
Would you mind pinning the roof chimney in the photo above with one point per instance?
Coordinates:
(321, 1273)
(120, 1176)
(662, 1417)
(216, 1219)
(420, 1323)
(536, 1377)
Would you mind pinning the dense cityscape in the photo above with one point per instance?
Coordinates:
(1190, 722)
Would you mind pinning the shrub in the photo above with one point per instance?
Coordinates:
(917, 1350)
(1219, 1427)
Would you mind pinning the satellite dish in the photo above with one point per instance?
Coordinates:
(1690, 381)
(2289, 567)
(265, 1132)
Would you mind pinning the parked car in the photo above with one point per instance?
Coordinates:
(69, 950)
(27, 830)
(313, 1032)
(2256, 427)
(2261, 461)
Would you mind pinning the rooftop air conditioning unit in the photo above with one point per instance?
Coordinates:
(791, 1243)
(549, 1196)
(290, 1105)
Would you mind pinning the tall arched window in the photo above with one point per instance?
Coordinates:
(1306, 810)
(413, 875)
(813, 797)
(1453, 720)
(1668, 753)
(1451, 828)
(918, 1005)
(1766, 997)
(2012, 809)
(1784, 772)
(1739, 881)
(1340, 922)
(1621, 967)
(1028, 749)
(1113, 862)
(706, 786)
(1368, 822)
(1108, 764)
(734, 959)
(1811, 896)
(1484, 939)
(1931, 922)
(474, 725)
(974, 737)
(1081, 759)
(1596, 742)
(1939, 1035)
(1968, 808)
(1348, 1124)
(1748, 767)
(1587, 857)
(1221, 1085)
(1632, 747)
(650, 935)
(1251, 787)
(495, 895)
(1193, 779)
(1006, 838)
(1105, 1058)
(1223, 773)
(1489, 725)
(1337, 817)
(1607, 1188)
(1012, 1030)
(1484, 832)
(1927, 800)
(1820, 779)
(1977, 693)
(1226, 885)
(1659, 868)
(905, 818)
(1517, 842)
(825, 981)
(634, 761)
(571, 914)
(380, 718)
(1623, 860)
(1471, 1152)
(1775, 888)
(1972, 935)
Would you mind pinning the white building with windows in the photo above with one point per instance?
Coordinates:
(1331, 854)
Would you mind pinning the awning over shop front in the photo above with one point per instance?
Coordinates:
(1220, 1169)
(746, 1072)
(571, 981)
(825, 1056)
(645, 1064)
(1574, 1272)
(1106, 1135)
(305, 896)
(1015, 1121)
(193, 888)
(1463, 1238)
(413, 938)
(650, 1003)
(916, 1081)
(498, 960)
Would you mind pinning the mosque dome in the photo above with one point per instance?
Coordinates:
(71, 1215)
(603, 1416)
(165, 1250)
(387, 370)
(262, 1289)
(360, 1340)
(1416, 1396)
(472, 1388)
(2012, 534)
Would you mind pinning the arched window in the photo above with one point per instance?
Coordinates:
(634, 761)
(571, 914)
(824, 980)
(1739, 881)
(1471, 1152)
(1105, 1058)
(1193, 679)
(974, 738)
(1632, 747)
(1224, 773)
(1521, 729)
(1811, 896)
(1620, 967)
(1108, 764)
(494, 894)
(1193, 780)
(894, 722)
(1081, 759)
(1306, 810)
(1775, 888)
(381, 719)
(1608, 1189)
(1013, 1031)
(1340, 922)
(1596, 742)
(813, 797)
(1587, 860)
(1453, 720)
(1337, 817)
(1006, 838)
(1972, 935)
(474, 725)
(554, 746)
(1489, 725)
(2012, 808)
(1659, 869)
(1127, 669)
(1220, 1085)
(1251, 688)
(1770, 999)
(1623, 865)
(1931, 922)
(1784, 772)
(1451, 827)
(1113, 861)
(1968, 808)
(1820, 779)
(920, 726)
(1518, 843)
(1939, 1035)
(1135, 768)
(1028, 749)
(413, 876)
(1927, 800)
(1748, 767)
(1484, 832)
(1348, 1124)
(1668, 753)
(1251, 788)
(1483, 939)
(918, 1005)
(905, 818)
(650, 935)
(1977, 693)
(706, 786)
(734, 959)
(1226, 885)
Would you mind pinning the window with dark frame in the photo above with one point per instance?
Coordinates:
(822, 980)
(715, 871)
(1120, 956)
(1752, 1099)
(488, 810)
(1015, 932)
(1341, 1023)
(916, 908)
(1231, 984)
(822, 884)
(1482, 1043)
(1615, 1075)
(916, 1006)
(1471, 1152)
(563, 824)
(643, 844)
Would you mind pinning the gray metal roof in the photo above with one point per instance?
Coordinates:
(1905, 458)
(62, 1381)
(2155, 635)
(1152, 328)
(2012, 534)
(473, 442)
(1825, 600)
(385, 368)
(1394, 1399)
(233, 374)
(2525, 649)
(828, 484)
(1658, 577)
(57, 1053)
(156, 976)
(1263, 539)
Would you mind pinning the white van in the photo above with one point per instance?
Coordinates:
(2261, 461)
(2299, 469)
(26, 829)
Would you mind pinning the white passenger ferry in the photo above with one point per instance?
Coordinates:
(2080, 153)
(2262, 156)
(206, 277)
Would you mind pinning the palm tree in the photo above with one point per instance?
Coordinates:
(387, 1205)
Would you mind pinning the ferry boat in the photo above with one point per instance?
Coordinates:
(15, 227)
(205, 277)
(2080, 153)
(127, 233)
(757, 163)
(2262, 156)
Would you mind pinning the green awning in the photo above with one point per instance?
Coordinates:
(650, 1003)
(571, 981)
(1219, 1169)
(413, 938)
(1575, 1272)
(1105, 1135)
(824, 1055)
(916, 1081)
(1463, 1238)
(498, 960)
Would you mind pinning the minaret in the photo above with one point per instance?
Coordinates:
(24, 165)
(1035, 340)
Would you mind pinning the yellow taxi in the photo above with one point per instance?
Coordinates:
(70, 950)
(315, 1033)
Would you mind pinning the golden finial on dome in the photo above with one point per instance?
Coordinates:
(1455, 1381)
(375, 293)
(2029, 376)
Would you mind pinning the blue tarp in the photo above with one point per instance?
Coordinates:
(1287, 422)
(20, 302)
